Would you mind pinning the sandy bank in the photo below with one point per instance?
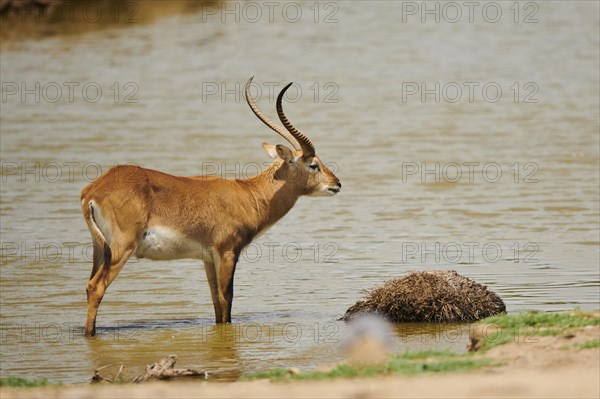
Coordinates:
(544, 367)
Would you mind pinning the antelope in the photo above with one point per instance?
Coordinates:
(130, 210)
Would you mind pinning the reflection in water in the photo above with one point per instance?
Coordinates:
(61, 18)
(531, 233)
(207, 347)
(416, 336)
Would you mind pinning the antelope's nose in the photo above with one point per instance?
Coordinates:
(339, 183)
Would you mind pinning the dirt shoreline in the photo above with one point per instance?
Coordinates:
(571, 382)
(546, 367)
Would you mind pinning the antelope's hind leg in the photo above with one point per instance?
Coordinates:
(108, 262)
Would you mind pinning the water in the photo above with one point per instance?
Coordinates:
(531, 234)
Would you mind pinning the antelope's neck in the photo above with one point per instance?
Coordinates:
(272, 195)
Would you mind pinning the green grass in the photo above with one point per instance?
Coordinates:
(17, 382)
(591, 344)
(558, 321)
(425, 354)
(526, 326)
(407, 363)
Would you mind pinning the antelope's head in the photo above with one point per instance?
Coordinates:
(300, 166)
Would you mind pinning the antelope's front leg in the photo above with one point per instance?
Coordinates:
(211, 275)
(225, 271)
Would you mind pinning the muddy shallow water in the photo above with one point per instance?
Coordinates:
(504, 188)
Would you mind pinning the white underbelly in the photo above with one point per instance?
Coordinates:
(163, 243)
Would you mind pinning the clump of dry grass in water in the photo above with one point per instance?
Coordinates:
(439, 296)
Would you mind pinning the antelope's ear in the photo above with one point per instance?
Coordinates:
(285, 153)
(270, 149)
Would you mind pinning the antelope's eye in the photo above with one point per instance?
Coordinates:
(314, 166)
